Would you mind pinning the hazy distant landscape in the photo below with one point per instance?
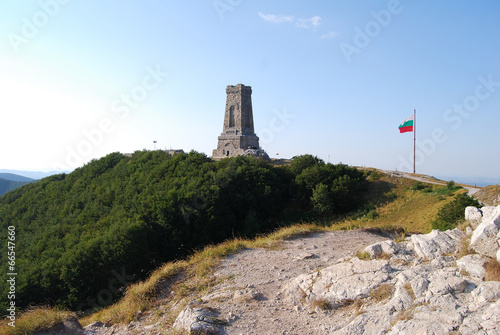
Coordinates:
(10, 181)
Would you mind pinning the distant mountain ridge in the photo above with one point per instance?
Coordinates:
(15, 177)
(29, 174)
(10, 181)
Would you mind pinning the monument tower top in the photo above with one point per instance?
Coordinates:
(238, 134)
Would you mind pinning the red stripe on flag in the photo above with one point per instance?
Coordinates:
(405, 129)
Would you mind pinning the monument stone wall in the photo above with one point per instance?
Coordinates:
(238, 134)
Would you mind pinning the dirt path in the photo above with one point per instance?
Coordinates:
(426, 179)
(257, 275)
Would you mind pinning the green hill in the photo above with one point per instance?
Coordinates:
(9, 185)
(80, 237)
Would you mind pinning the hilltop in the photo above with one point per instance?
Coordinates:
(118, 218)
(399, 207)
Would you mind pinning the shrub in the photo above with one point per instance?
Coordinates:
(374, 175)
(417, 186)
(372, 214)
(450, 214)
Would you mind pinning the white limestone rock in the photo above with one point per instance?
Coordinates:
(473, 265)
(437, 243)
(474, 215)
(197, 320)
(485, 237)
(484, 321)
(374, 250)
(350, 280)
(486, 291)
(374, 323)
(401, 301)
(445, 281)
(385, 247)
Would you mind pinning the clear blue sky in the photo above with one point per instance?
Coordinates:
(81, 79)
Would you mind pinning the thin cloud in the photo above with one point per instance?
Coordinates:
(277, 18)
(312, 22)
(329, 35)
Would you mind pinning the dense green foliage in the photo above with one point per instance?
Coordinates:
(81, 236)
(453, 212)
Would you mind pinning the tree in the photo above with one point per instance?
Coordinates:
(453, 212)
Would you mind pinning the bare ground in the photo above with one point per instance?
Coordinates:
(249, 296)
(257, 275)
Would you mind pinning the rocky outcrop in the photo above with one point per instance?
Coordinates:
(486, 237)
(436, 243)
(388, 248)
(70, 326)
(473, 265)
(428, 290)
(474, 215)
(198, 320)
(339, 283)
(419, 287)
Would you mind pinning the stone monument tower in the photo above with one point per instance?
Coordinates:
(238, 135)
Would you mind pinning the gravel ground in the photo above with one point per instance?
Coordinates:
(257, 275)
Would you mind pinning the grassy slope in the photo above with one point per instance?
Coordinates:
(398, 208)
(489, 195)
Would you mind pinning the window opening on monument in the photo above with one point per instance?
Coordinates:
(231, 117)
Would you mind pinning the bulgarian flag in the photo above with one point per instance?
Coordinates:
(407, 124)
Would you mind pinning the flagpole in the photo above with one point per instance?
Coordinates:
(414, 136)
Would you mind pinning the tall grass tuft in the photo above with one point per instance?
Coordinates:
(37, 318)
(492, 268)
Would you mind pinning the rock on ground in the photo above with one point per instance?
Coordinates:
(485, 238)
(474, 215)
(473, 265)
(70, 326)
(199, 320)
(436, 243)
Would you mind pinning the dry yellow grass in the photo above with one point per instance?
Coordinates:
(37, 318)
(492, 268)
(410, 291)
(411, 211)
(381, 293)
(489, 195)
(322, 303)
